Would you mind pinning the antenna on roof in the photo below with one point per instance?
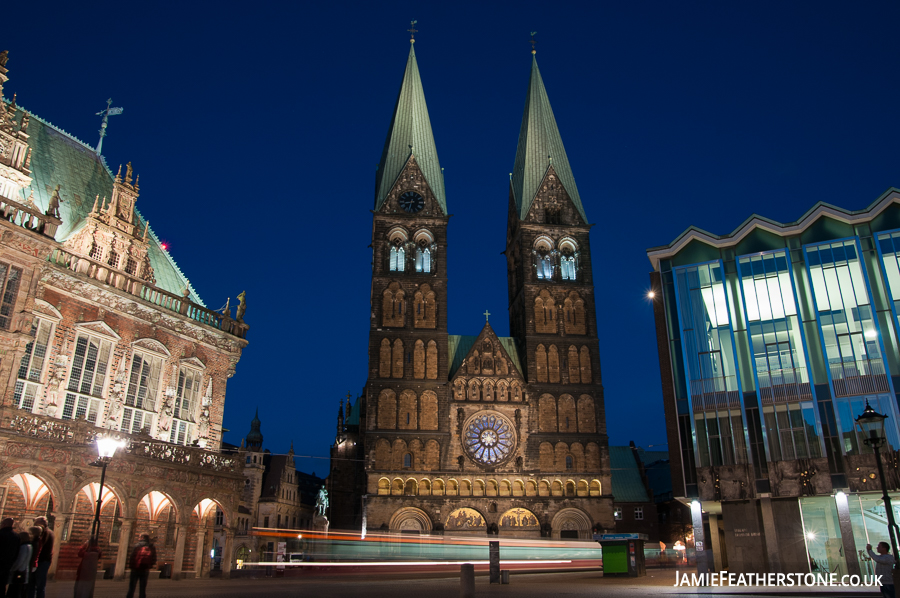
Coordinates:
(105, 122)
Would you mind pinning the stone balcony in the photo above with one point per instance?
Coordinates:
(28, 217)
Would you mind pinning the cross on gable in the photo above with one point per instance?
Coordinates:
(486, 315)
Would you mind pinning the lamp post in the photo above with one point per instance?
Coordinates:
(106, 449)
(871, 425)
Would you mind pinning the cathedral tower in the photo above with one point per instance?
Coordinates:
(552, 313)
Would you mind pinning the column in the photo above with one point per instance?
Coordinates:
(180, 539)
(227, 557)
(124, 547)
(715, 543)
(773, 552)
(200, 556)
(850, 554)
(59, 523)
(700, 543)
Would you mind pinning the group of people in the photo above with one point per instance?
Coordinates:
(25, 558)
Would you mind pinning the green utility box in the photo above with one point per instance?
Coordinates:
(623, 554)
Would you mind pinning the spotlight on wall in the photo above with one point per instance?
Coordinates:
(651, 295)
(811, 535)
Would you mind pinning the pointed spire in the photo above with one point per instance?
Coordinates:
(119, 174)
(410, 134)
(539, 145)
(94, 209)
(255, 437)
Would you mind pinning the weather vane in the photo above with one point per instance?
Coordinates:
(533, 51)
(106, 114)
(412, 31)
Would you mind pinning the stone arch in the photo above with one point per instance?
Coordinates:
(488, 390)
(505, 488)
(515, 391)
(465, 488)
(503, 390)
(424, 487)
(432, 455)
(556, 488)
(205, 507)
(417, 449)
(459, 389)
(474, 390)
(411, 487)
(574, 314)
(397, 487)
(572, 519)
(452, 487)
(518, 517)
(397, 451)
(387, 409)
(478, 488)
(577, 451)
(560, 452)
(585, 359)
(393, 305)
(491, 488)
(384, 359)
(568, 419)
(587, 420)
(518, 488)
(573, 363)
(547, 413)
(384, 486)
(545, 313)
(530, 488)
(152, 345)
(37, 489)
(592, 457)
(465, 518)
(419, 360)
(437, 489)
(544, 488)
(595, 488)
(428, 408)
(582, 488)
(382, 454)
(431, 361)
(408, 410)
(410, 519)
(425, 308)
(397, 359)
(553, 364)
(540, 362)
(570, 488)
(546, 456)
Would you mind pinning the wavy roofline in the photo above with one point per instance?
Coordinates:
(755, 221)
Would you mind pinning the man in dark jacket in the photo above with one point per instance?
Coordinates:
(9, 550)
(44, 557)
(143, 558)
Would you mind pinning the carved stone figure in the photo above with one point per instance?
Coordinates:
(321, 500)
(166, 413)
(242, 306)
(53, 208)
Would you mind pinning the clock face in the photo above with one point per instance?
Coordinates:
(412, 202)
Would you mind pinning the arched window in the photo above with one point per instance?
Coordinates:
(543, 258)
(407, 460)
(570, 463)
(567, 262)
(423, 259)
(398, 257)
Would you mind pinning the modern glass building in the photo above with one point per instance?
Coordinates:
(771, 340)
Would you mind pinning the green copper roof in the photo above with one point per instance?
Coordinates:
(410, 126)
(58, 158)
(539, 146)
(459, 346)
(627, 485)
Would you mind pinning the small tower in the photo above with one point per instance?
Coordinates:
(255, 437)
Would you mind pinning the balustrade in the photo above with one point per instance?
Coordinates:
(28, 217)
(853, 378)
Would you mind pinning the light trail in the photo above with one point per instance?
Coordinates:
(401, 563)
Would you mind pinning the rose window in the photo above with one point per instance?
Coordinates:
(489, 438)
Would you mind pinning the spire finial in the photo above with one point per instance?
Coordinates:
(412, 31)
(533, 42)
(486, 315)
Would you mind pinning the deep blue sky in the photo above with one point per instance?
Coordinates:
(256, 129)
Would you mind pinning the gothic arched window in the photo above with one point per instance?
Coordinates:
(407, 460)
(543, 258)
(425, 247)
(567, 262)
(398, 257)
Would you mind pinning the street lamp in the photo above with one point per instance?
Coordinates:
(871, 425)
(106, 449)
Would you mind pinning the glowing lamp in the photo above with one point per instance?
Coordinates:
(299, 536)
(651, 295)
(107, 446)
(811, 536)
(871, 334)
(871, 425)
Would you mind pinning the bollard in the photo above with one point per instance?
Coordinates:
(504, 576)
(467, 581)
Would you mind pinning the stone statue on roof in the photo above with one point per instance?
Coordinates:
(242, 306)
(53, 208)
(4, 56)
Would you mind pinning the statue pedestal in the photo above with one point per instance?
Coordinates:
(320, 523)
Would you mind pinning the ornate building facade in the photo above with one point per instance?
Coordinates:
(477, 434)
(101, 334)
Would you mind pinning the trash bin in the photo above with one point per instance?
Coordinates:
(623, 554)
(165, 571)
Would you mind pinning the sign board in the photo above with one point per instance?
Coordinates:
(602, 537)
(495, 561)
(279, 557)
(698, 546)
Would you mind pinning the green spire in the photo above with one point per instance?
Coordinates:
(410, 126)
(540, 146)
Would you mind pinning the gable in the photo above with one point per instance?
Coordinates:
(411, 178)
(468, 347)
(151, 344)
(552, 203)
(193, 362)
(99, 327)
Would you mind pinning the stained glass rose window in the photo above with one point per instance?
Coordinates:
(489, 438)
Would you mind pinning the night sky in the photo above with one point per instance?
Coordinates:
(256, 129)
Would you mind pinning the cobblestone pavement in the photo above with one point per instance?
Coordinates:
(581, 584)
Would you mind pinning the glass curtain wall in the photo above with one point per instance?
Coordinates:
(779, 358)
(710, 365)
(850, 336)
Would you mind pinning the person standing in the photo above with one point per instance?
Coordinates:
(884, 566)
(9, 550)
(143, 558)
(20, 572)
(44, 558)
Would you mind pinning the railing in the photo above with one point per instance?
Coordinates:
(28, 217)
(783, 386)
(852, 378)
(81, 432)
(152, 294)
(711, 394)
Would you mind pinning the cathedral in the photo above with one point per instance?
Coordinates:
(479, 434)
